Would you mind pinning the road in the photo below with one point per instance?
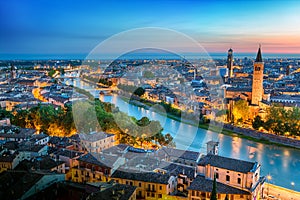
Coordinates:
(280, 193)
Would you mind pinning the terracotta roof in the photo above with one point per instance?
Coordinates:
(227, 163)
(150, 177)
(205, 185)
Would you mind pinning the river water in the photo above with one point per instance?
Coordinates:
(281, 163)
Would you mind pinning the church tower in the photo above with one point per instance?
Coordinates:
(230, 63)
(257, 82)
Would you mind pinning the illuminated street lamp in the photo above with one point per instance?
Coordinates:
(269, 177)
(293, 185)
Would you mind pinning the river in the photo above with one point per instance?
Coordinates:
(281, 163)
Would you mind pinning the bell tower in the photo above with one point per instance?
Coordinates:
(257, 81)
(230, 63)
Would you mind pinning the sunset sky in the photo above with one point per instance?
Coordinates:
(76, 27)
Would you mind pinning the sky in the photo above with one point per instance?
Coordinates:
(76, 27)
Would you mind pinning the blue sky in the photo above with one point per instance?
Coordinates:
(76, 27)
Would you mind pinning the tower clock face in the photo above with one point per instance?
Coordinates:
(257, 68)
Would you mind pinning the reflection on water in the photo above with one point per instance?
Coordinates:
(281, 163)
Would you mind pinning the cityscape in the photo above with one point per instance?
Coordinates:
(150, 100)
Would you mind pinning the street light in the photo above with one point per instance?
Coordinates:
(269, 177)
(293, 185)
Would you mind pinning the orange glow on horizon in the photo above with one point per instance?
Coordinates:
(281, 44)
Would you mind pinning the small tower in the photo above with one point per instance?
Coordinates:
(288, 69)
(257, 81)
(13, 72)
(212, 147)
(230, 63)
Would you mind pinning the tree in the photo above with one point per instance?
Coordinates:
(240, 111)
(139, 91)
(226, 197)
(5, 114)
(213, 195)
(51, 72)
(148, 74)
(257, 123)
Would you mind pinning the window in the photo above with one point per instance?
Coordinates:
(159, 196)
(140, 184)
(241, 196)
(160, 187)
(152, 195)
(217, 175)
(227, 178)
(239, 180)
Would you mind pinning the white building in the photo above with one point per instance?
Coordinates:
(96, 141)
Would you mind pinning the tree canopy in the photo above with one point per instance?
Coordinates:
(87, 116)
(240, 111)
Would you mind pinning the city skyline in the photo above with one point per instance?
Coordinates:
(54, 27)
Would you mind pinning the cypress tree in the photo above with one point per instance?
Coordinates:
(213, 195)
(226, 197)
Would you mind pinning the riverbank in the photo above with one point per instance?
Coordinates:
(227, 129)
(277, 192)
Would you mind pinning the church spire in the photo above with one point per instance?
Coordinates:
(258, 56)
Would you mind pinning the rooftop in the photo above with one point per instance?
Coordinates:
(150, 177)
(227, 163)
(92, 137)
(114, 191)
(205, 185)
(183, 154)
(99, 159)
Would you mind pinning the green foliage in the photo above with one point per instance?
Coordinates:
(139, 91)
(169, 109)
(240, 111)
(48, 119)
(62, 71)
(105, 81)
(213, 195)
(51, 72)
(5, 114)
(148, 74)
(84, 92)
(92, 116)
(226, 197)
(257, 122)
(283, 122)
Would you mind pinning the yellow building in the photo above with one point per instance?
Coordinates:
(150, 185)
(9, 161)
(95, 167)
(96, 142)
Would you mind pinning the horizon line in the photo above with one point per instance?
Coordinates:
(83, 56)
